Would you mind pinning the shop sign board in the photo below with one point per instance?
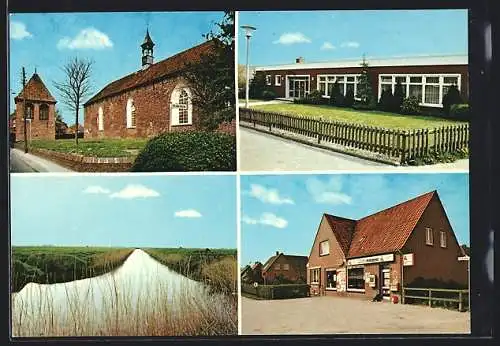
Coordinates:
(371, 259)
(408, 259)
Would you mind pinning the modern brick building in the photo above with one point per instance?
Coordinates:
(426, 77)
(381, 252)
(40, 111)
(147, 102)
(289, 267)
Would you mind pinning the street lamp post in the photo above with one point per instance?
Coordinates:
(248, 33)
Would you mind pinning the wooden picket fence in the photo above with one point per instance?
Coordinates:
(437, 297)
(399, 145)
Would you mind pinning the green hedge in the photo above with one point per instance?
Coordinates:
(188, 151)
(285, 291)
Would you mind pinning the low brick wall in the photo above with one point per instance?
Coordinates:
(80, 163)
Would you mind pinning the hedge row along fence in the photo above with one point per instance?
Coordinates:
(399, 145)
(284, 291)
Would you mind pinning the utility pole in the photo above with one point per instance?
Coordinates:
(24, 111)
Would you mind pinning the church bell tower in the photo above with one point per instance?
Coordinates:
(147, 51)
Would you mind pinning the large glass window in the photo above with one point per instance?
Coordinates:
(355, 278)
(29, 111)
(346, 83)
(428, 89)
(183, 107)
(314, 275)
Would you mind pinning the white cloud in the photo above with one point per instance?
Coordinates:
(266, 195)
(88, 38)
(189, 213)
(135, 191)
(327, 46)
(18, 31)
(350, 44)
(328, 192)
(95, 189)
(292, 37)
(268, 219)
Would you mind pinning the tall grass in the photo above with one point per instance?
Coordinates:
(107, 308)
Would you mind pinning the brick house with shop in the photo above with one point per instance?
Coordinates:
(426, 77)
(40, 111)
(382, 251)
(288, 267)
(147, 102)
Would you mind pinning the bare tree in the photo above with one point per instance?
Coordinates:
(76, 87)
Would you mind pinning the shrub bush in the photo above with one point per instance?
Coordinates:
(364, 106)
(349, 98)
(386, 102)
(268, 94)
(188, 151)
(452, 97)
(460, 111)
(410, 105)
(315, 97)
(285, 291)
(336, 97)
(398, 98)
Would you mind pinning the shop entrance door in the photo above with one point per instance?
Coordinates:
(298, 87)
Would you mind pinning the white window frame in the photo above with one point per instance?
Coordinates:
(321, 248)
(335, 78)
(277, 80)
(287, 85)
(130, 103)
(268, 79)
(174, 106)
(429, 236)
(311, 276)
(423, 83)
(100, 119)
(443, 241)
(359, 290)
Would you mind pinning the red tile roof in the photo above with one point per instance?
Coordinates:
(382, 232)
(35, 90)
(155, 72)
(298, 260)
(343, 229)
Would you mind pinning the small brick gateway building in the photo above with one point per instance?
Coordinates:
(381, 252)
(40, 111)
(145, 103)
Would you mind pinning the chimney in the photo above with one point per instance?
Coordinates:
(277, 253)
(299, 60)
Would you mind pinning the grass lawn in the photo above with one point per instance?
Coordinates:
(93, 147)
(370, 118)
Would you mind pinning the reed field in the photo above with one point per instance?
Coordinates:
(138, 296)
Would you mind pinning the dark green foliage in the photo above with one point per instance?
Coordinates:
(284, 291)
(410, 106)
(349, 98)
(397, 98)
(460, 111)
(386, 101)
(48, 265)
(257, 85)
(188, 151)
(364, 107)
(336, 97)
(268, 94)
(432, 158)
(315, 97)
(212, 77)
(364, 91)
(452, 97)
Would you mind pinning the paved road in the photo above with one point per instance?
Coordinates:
(21, 162)
(264, 152)
(341, 315)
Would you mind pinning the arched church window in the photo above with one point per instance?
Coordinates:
(130, 113)
(181, 110)
(100, 120)
(29, 111)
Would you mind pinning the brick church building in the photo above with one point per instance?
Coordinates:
(40, 111)
(147, 102)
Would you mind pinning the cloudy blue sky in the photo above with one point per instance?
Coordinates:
(130, 211)
(328, 35)
(282, 212)
(46, 41)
